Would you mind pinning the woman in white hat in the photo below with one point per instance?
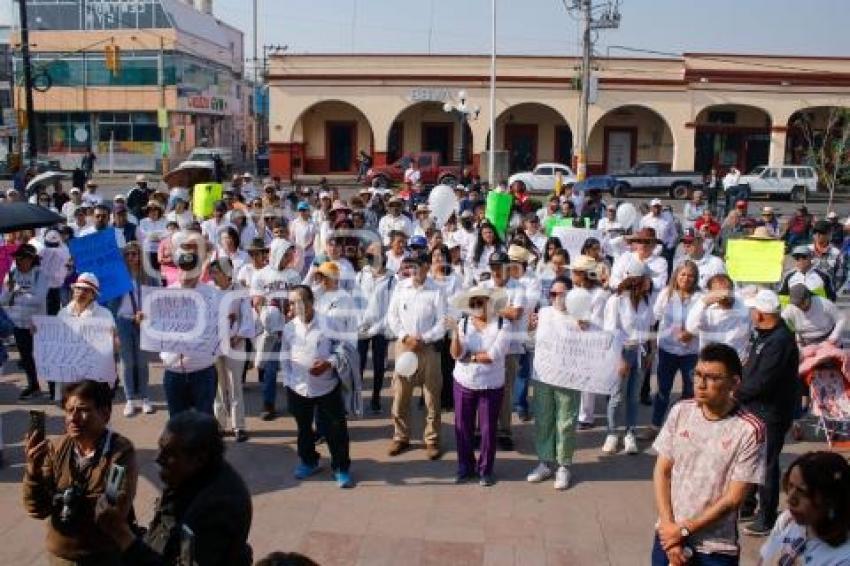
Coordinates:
(153, 228)
(629, 315)
(86, 290)
(479, 344)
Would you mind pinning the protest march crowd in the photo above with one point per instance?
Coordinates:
(490, 304)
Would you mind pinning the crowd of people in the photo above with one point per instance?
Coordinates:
(324, 285)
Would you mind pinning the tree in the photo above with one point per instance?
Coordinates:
(827, 149)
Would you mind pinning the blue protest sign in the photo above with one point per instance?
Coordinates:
(98, 253)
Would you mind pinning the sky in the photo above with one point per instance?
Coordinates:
(544, 27)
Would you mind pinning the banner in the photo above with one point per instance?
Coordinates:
(181, 321)
(498, 211)
(204, 196)
(755, 261)
(69, 350)
(98, 253)
(575, 359)
(574, 238)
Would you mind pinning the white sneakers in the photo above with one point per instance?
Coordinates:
(562, 478)
(610, 446)
(541, 473)
(131, 407)
(630, 443)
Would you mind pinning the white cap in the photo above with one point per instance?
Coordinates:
(324, 194)
(655, 202)
(765, 301)
(140, 178)
(636, 268)
(832, 215)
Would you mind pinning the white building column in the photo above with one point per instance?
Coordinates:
(684, 151)
(778, 137)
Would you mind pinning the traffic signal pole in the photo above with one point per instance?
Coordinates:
(32, 150)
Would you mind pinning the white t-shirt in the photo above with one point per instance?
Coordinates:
(791, 543)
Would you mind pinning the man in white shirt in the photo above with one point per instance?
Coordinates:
(813, 319)
(665, 228)
(101, 222)
(91, 197)
(693, 209)
(534, 233)
(707, 264)
(720, 316)
(313, 386)
(212, 227)
(416, 316)
(394, 221)
(643, 245)
(412, 175)
(804, 272)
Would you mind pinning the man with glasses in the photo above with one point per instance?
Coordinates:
(101, 222)
(710, 454)
(394, 221)
(804, 272)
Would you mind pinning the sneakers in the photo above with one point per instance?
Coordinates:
(433, 452)
(397, 447)
(758, 528)
(649, 433)
(462, 478)
(268, 413)
(610, 445)
(562, 478)
(584, 426)
(304, 471)
(343, 480)
(129, 409)
(147, 408)
(486, 481)
(29, 393)
(240, 435)
(630, 444)
(541, 473)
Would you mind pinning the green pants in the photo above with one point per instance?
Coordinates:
(555, 418)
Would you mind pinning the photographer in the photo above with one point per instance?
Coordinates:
(204, 514)
(65, 476)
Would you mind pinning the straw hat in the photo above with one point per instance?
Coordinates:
(762, 233)
(584, 263)
(498, 298)
(87, 281)
(518, 254)
(645, 234)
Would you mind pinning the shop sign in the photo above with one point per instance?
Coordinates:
(429, 94)
(213, 103)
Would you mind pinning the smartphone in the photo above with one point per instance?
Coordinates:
(37, 425)
(114, 479)
(187, 546)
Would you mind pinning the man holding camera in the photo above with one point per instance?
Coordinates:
(64, 477)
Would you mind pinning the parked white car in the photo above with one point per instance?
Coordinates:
(793, 181)
(542, 179)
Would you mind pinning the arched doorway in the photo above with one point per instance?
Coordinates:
(731, 135)
(533, 133)
(332, 134)
(425, 126)
(627, 135)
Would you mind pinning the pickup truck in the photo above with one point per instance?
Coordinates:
(542, 179)
(792, 181)
(430, 170)
(653, 176)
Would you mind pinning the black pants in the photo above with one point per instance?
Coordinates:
(332, 413)
(379, 361)
(23, 340)
(768, 493)
(54, 301)
(447, 367)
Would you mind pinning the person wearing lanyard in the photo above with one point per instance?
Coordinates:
(128, 318)
(229, 404)
(415, 316)
(677, 348)
(479, 344)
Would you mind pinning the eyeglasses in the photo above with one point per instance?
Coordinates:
(709, 377)
(477, 303)
(555, 294)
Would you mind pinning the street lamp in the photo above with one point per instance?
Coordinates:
(465, 112)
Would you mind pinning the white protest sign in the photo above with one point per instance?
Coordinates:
(180, 321)
(575, 359)
(69, 349)
(574, 238)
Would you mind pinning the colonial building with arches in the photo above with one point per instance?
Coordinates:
(699, 111)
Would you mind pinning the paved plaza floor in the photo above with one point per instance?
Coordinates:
(404, 511)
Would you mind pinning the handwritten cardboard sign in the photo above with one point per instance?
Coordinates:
(68, 350)
(181, 321)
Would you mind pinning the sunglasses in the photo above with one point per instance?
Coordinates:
(555, 294)
(477, 303)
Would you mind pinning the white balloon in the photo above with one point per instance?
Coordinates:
(442, 202)
(628, 217)
(578, 304)
(406, 364)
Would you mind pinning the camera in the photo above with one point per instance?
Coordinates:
(66, 505)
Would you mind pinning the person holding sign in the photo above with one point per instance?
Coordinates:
(480, 342)
(628, 314)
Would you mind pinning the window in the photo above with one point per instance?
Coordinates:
(771, 173)
(788, 173)
(721, 117)
(544, 171)
(126, 127)
(63, 132)
(425, 160)
(805, 173)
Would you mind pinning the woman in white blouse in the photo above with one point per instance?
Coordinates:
(486, 244)
(629, 315)
(678, 349)
(229, 247)
(479, 344)
(153, 228)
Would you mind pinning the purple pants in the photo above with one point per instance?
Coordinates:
(469, 404)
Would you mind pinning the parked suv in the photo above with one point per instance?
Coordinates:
(793, 181)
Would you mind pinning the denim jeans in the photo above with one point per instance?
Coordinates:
(269, 377)
(629, 389)
(133, 360)
(668, 365)
(659, 557)
(191, 390)
(520, 392)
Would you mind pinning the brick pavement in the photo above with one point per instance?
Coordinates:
(404, 511)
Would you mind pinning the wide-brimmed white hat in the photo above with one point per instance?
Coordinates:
(87, 281)
(584, 263)
(498, 298)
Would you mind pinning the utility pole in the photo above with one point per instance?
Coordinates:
(609, 19)
(491, 155)
(256, 88)
(162, 113)
(32, 151)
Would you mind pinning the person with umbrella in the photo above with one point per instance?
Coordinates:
(25, 295)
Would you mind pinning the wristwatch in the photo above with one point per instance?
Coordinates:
(685, 532)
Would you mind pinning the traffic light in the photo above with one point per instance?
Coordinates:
(113, 58)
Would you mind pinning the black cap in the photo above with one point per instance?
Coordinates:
(821, 227)
(798, 294)
(26, 250)
(499, 258)
(419, 257)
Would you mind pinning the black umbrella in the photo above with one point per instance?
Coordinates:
(16, 216)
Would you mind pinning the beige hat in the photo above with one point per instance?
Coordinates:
(498, 298)
(762, 233)
(766, 210)
(584, 263)
(141, 178)
(518, 254)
